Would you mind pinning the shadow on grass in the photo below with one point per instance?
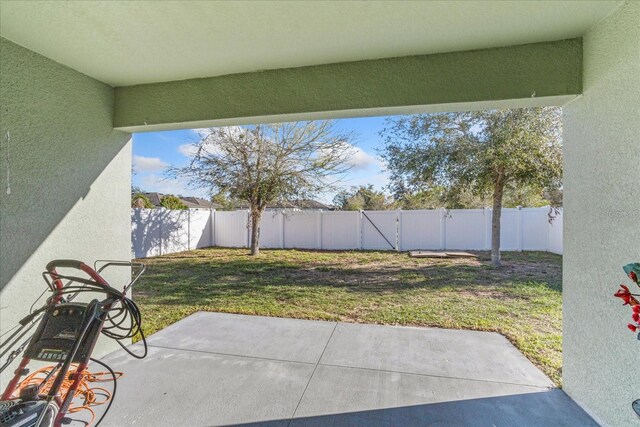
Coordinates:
(212, 274)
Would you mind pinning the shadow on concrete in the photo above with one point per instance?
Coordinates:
(546, 408)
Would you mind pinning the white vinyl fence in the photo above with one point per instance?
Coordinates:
(164, 231)
(161, 231)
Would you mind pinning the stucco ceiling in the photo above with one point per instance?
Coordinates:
(126, 43)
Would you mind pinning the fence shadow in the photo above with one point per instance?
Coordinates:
(158, 231)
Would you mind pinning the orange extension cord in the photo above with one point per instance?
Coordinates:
(85, 389)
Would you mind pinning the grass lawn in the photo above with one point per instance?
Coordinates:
(522, 300)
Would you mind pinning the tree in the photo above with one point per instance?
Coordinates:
(466, 198)
(485, 152)
(172, 202)
(223, 200)
(269, 163)
(364, 197)
(139, 200)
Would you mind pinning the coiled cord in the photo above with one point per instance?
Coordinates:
(87, 390)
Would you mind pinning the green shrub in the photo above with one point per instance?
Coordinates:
(172, 202)
(141, 201)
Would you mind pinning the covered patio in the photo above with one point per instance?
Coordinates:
(228, 369)
(77, 78)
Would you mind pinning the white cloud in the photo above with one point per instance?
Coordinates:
(188, 150)
(362, 160)
(148, 164)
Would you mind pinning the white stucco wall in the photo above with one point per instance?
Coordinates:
(69, 176)
(602, 221)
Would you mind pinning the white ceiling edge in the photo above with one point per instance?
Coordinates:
(558, 101)
(127, 43)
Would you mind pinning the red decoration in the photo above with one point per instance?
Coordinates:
(626, 296)
(629, 299)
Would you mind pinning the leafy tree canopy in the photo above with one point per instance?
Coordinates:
(172, 202)
(224, 200)
(451, 155)
(364, 197)
(141, 201)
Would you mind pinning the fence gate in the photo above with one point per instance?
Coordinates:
(380, 230)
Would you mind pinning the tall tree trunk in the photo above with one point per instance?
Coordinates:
(495, 220)
(255, 232)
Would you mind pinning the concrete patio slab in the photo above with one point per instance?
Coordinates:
(187, 388)
(363, 397)
(484, 356)
(257, 336)
(215, 369)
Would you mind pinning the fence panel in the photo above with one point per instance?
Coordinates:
(161, 231)
(302, 230)
(420, 229)
(199, 228)
(271, 229)
(231, 229)
(535, 229)
(555, 235)
(465, 229)
(174, 233)
(510, 233)
(145, 232)
(386, 224)
(340, 230)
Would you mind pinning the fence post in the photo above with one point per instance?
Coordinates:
(319, 229)
(358, 230)
(398, 230)
(520, 229)
(549, 226)
(160, 228)
(248, 227)
(443, 231)
(212, 220)
(188, 229)
(281, 213)
(361, 228)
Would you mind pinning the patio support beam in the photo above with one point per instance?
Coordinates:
(531, 74)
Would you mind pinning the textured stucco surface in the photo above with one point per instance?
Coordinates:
(124, 43)
(69, 175)
(602, 220)
(515, 72)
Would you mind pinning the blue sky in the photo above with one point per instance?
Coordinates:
(154, 151)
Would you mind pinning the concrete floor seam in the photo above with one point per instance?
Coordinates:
(312, 374)
(437, 376)
(231, 355)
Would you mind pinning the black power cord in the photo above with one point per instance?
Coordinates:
(122, 319)
(113, 393)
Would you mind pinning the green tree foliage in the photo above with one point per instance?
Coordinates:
(478, 153)
(364, 197)
(172, 202)
(139, 200)
(223, 200)
(265, 164)
(466, 198)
